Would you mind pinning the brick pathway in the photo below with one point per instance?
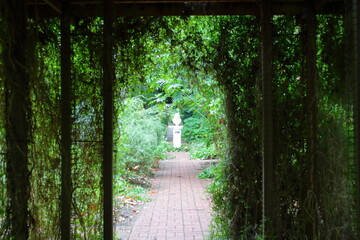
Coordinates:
(180, 208)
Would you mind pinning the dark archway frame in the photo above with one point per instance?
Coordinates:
(109, 9)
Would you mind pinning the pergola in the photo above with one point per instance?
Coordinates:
(18, 122)
(91, 8)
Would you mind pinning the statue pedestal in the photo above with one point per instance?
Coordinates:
(177, 131)
(177, 137)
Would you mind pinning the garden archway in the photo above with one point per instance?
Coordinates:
(17, 90)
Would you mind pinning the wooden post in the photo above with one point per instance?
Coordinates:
(355, 72)
(108, 121)
(310, 203)
(269, 206)
(66, 86)
(17, 116)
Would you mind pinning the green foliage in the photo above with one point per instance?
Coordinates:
(195, 128)
(218, 190)
(336, 202)
(141, 139)
(236, 199)
(201, 150)
(174, 83)
(87, 129)
(44, 155)
(235, 191)
(140, 144)
(210, 172)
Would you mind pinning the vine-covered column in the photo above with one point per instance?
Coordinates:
(17, 115)
(310, 182)
(108, 101)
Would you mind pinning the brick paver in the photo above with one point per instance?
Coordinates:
(180, 208)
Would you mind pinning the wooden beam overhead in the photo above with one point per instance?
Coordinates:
(55, 5)
(320, 3)
(99, 2)
(181, 8)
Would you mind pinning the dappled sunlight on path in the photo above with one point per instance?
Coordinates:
(180, 208)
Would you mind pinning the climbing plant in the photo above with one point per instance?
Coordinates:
(236, 191)
(45, 152)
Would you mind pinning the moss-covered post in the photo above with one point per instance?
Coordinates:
(66, 86)
(108, 121)
(269, 208)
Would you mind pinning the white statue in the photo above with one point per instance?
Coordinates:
(176, 120)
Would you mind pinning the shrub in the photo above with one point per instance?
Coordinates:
(141, 138)
(201, 150)
(195, 128)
